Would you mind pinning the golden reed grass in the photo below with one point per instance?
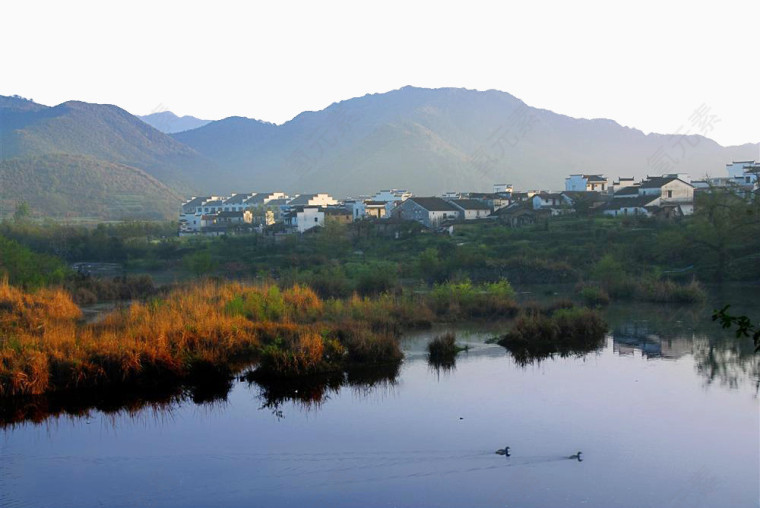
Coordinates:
(44, 346)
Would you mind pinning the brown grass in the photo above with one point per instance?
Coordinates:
(208, 326)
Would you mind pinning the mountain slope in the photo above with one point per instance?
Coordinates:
(102, 131)
(433, 140)
(168, 123)
(61, 186)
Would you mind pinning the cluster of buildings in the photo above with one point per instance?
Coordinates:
(667, 196)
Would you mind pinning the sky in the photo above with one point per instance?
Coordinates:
(659, 66)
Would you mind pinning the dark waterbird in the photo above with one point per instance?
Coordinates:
(576, 456)
(503, 451)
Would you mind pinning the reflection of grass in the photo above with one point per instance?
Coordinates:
(536, 334)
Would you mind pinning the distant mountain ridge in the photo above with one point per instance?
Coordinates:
(434, 140)
(169, 123)
(426, 140)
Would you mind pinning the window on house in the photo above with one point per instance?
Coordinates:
(316, 219)
(670, 193)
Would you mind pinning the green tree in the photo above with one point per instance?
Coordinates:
(22, 211)
(725, 226)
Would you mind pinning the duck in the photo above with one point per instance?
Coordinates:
(576, 456)
(503, 451)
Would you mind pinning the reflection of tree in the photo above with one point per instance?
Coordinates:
(728, 362)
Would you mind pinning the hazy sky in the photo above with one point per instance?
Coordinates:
(646, 64)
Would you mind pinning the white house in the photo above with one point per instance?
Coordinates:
(671, 190)
(429, 211)
(547, 200)
(321, 199)
(744, 173)
(588, 183)
(309, 217)
(391, 195)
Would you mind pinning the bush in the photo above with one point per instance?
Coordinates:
(593, 295)
(463, 299)
(536, 335)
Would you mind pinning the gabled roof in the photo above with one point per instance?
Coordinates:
(435, 204)
(595, 178)
(237, 199)
(302, 199)
(216, 202)
(655, 182)
(256, 198)
(627, 192)
(470, 204)
(192, 204)
(633, 202)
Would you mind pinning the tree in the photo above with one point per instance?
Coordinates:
(22, 211)
(744, 326)
(725, 225)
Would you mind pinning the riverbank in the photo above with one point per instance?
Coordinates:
(212, 329)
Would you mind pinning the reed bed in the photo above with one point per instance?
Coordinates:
(214, 328)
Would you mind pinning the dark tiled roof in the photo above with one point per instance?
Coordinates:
(303, 199)
(635, 202)
(237, 199)
(229, 215)
(470, 204)
(191, 205)
(595, 178)
(548, 195)
(336, 211)
(658, 181)
(627, 192)
(435, 204)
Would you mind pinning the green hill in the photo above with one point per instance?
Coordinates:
(105, 132)
(61, 186)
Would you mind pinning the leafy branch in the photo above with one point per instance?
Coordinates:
(744, 326)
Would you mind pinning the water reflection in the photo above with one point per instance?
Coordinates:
(672, 332)
(652, 331)
(312, 392)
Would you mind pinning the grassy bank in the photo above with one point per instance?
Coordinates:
(214, 328)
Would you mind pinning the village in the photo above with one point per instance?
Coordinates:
(666, 196)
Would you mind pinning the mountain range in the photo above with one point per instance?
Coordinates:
(169, 123)
(425, 140)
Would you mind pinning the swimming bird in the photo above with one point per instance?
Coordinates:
(503, 451)
(576, 456)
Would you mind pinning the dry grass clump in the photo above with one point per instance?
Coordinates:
(194, 330)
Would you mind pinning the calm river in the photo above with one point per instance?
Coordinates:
(666, 415)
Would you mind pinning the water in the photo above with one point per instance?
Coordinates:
(666, 415)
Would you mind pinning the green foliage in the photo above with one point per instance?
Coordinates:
(462, 299)
(25, 268)
(743, 324)
(22, 212)
(199, 263)
(68, 186)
